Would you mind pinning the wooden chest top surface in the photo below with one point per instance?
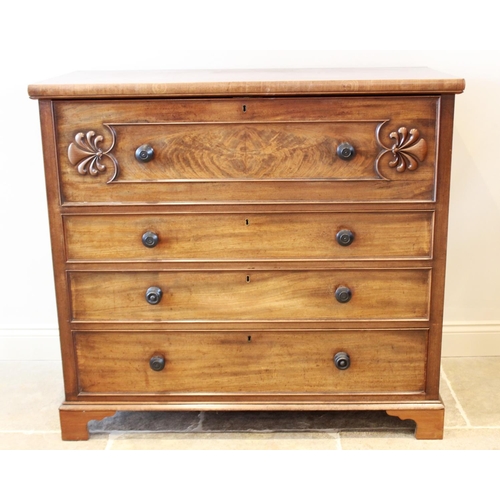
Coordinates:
(314, 81)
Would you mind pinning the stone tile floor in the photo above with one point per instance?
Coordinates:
(31, 392)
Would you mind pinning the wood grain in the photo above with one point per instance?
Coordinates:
(58, 253)
(210, 150)
(248, 151)
(286, 362)
(430, 423)
(85, 84)
(249, 236)
(251, 295)
(74, 424)
(447, 104)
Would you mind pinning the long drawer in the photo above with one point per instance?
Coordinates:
(250, 236)
(370, 235)
(367, 294)
(259, 362)
(163, 151)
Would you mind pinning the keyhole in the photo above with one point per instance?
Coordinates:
(247, 222)
(248, 279)
(249, 339)
(244, 108)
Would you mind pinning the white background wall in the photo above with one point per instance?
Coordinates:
(45, 39)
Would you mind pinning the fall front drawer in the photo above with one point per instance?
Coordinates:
(238, 362)
(247, 236)
(338, 148)
(217, 295)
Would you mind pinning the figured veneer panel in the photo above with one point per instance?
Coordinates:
(251, 295)
(259, 362)
(249, 236)
(258, 151)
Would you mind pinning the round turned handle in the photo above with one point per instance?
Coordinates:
(144, 153)
(153, 295)
(343, 294)
(345, 237)
(150, 239)
(342, 360)
(157, 363)
(346, 151)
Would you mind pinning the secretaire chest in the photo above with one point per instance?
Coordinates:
(255, 240)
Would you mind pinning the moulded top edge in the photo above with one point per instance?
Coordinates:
(191, 83)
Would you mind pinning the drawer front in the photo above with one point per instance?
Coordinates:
(346, 149)
(251, 295)
(239, 362)
(252, 236)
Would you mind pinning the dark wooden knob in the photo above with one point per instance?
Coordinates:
(345, 237)
(150, 239)
(144, 153)
(346, 151)
(157, 363)
(343, 294)
(342, 360)
(153, 295)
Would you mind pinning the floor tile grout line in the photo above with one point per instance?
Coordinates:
(112, 436)
(115, 435)
(455, 397)
(109, 443)
(20, 431)
(338, 437)
(476, 427)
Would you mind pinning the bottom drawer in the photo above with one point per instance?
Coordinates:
(381, 361)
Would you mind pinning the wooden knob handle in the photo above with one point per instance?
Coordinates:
(346, 151)
(153, 295)
(144, 153)
(157, 363)
(344, 237)
(343, 294)
(150, 239)
(342, 360)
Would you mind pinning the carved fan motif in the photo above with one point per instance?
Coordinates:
(86, 154)
(408, 151)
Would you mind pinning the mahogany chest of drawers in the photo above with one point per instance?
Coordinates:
(254, 240)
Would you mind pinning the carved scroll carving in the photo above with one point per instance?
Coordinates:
(408, 150)
(87, 156)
